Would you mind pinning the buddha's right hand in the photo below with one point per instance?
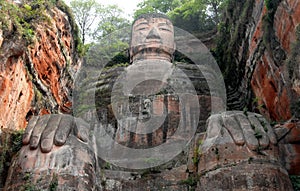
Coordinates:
(46, 130)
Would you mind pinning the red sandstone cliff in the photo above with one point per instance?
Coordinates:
(258, 55)
(275, 80)
(36, 75)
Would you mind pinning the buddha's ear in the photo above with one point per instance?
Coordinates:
(173, 55)
(130, 54)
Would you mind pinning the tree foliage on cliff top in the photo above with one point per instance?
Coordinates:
(96, 20)
(21, 19)
(194, 16)
(85, 13)
(75, 30)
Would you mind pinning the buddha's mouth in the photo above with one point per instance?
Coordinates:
(154, 50)
(153, 45)
(149, 41)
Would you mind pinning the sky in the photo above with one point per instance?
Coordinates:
(128, 6)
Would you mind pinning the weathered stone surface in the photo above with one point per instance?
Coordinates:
(286, 28)
(69, 167)
(269, 87)
(148, 180)
(16, 94)
(229, 160)
(270, 78)
(9, 145)
(267, 61)
(246, 176)
(232, 157)
(264, 59)
(37, 78)
(165, 107)
(289, 146)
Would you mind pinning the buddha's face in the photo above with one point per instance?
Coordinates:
(152, 38)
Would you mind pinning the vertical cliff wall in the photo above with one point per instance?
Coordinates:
(38, 60)
(258, 54)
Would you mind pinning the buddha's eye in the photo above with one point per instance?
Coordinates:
(165, 29)
(142, 28)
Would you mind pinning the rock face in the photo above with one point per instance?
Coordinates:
(259, 48)
(36, 77)
(38, 62)
(58, 170)
(177, 174)
(226, 165)
(258, 54)
(62, 163)
(164, 101)
(10, 143)
(272, 81)
(263, 57)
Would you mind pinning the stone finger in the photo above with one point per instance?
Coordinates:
(234, 129)
(81, 129)
(47, 138)
(232, 113)
(37, 131)
(214, 126)
(216, 134)
(65, 125)
(29, 129)
(268, 129)
(248, 132)
(259, 132)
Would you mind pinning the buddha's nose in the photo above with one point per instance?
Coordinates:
(153, 34)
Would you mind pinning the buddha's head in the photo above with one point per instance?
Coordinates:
(152, 37)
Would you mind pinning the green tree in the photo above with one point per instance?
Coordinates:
(107, 47)
(23, 16)
(160, 6)
(207, 12)
(215, 8)
(191, 12)
(86, 12)
(109, 37)
(204, 14)
(95, 22)
(110, 20)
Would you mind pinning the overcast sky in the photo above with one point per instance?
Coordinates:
(128, 6)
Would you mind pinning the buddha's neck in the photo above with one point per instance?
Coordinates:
(152, 56)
